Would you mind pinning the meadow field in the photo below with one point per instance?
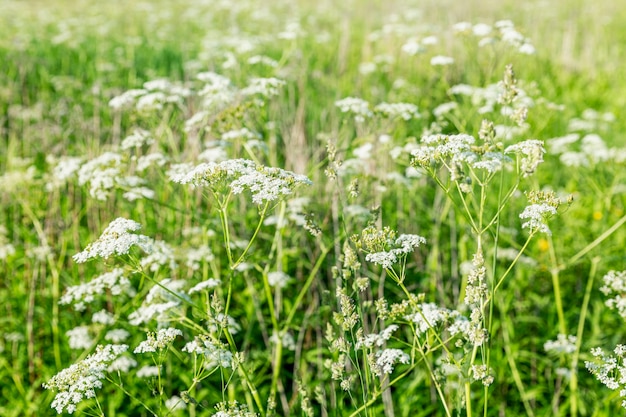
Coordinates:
(393, 208)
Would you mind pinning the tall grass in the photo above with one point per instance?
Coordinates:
(297, 208)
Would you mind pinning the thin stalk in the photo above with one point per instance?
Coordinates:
(556, 285)
(256, 232)
(593, 244)
(573, 383)
(307, 284)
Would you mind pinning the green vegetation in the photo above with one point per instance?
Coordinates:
(309, 208)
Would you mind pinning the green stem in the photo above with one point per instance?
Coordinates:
(573, 383)
(307, 284)
(556, 285)
(256, 232)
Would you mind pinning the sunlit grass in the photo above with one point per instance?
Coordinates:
(242, 104)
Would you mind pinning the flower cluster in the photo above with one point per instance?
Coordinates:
(264, 183)
(543, 205)
(86, 293)
(610, 370)
(531, 152)
(387, 359)
(376, 339)
(384, 248)
(214, 353)
(79, 381)
(564, 344)
(115, 240)
(358, 107)
(615, 286)
(406, 111)
(427, 316)
(233, 409)
(158, 341)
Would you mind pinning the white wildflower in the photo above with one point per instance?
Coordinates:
(266, 87)
(441, 60)
(122, 364)
(204, 285)
(101, 173)
(615, 287)
(196, 256)
(537, 215)
(216, 324)
(376, 339)
(147, 312)
(358, 107)
(387, 359)
(115, 240)
(103, 317)
(137, 139)
(265, 183)
(564, 344)
(148, 371)
(175, 403)
(146, 161)
(79, 381)
(406, 111)
(427, 316)
(532, 151)
(158, 341)
(82, 294)
(116, 335)
(63, 171)
(79, 338)
(215, 354)
(278, 279)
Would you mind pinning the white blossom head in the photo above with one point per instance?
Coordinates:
(117, 239)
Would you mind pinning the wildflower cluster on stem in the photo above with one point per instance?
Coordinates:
(610, 369)
(615, 286)
(384, 248)
(79, 381)
(158, 341)
(115, 240)
(264, 183)
(213, 352)
(543, 206)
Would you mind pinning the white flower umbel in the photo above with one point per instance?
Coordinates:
(264, 86)
(376, 339)
(137, 139)
(537, 215)
(278, 279)
(204, 285)
(609, 369)
(427, 316)
(101, 173)
(615, 287)
(406, 111)
(79, 381)
(79, 338)
(401, 247)
(387, 359)
(86, 293)
(531, 152)
(441, 60)
(358, 107)
(147, 371)
(233, 409)
(214, 353)
(115, 240)
(264, 183)
(158, 341)
(563, 344)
